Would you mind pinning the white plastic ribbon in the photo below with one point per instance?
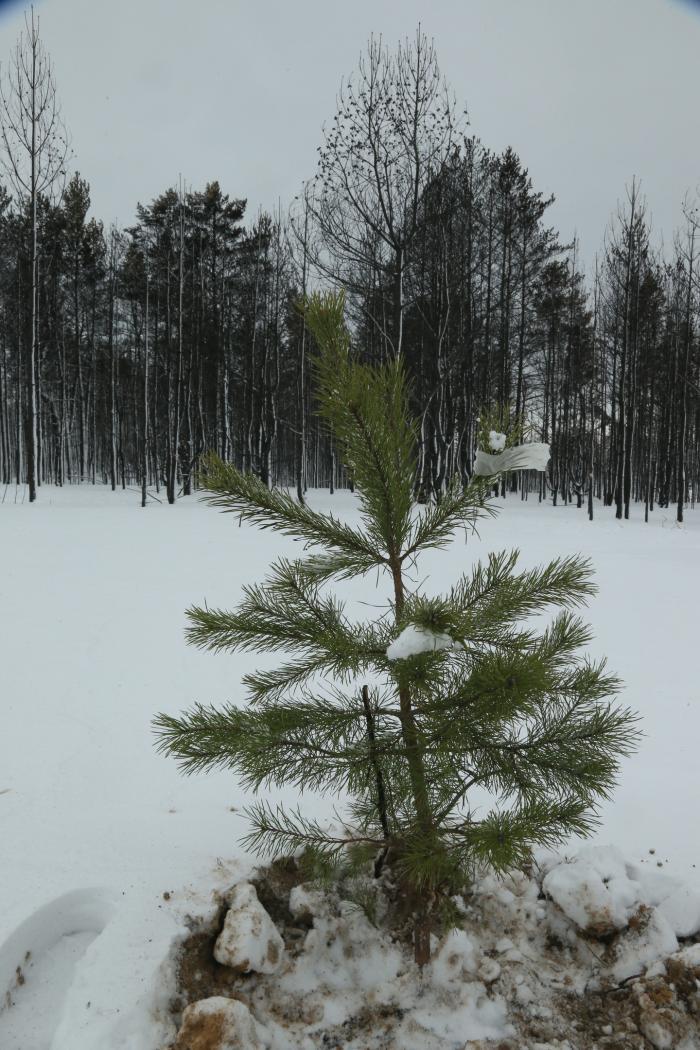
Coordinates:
(533, 456)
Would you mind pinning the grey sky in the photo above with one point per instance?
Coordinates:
(588, 92)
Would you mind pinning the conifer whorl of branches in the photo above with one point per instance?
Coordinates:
(517, 715)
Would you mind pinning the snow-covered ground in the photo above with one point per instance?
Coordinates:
(94, 824)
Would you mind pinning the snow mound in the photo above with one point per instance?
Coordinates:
(353, 984)
(38, 963)
(414, 640)
(92, 970)
(120, 992)
(497, 442)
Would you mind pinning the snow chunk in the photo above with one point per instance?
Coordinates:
(455, 957)
(594, 890)
(690, 956)
(533, 456)
(344, 953)
(475, 1016)
(678, 903)
(305, 902)
(249, 940)
(489, 970)
(642, 944)
(682, 911)
(414, 640)
(219, 1024)
(656, 885)
(497, 442)
(657, 1029)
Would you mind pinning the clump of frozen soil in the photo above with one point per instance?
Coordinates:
(580, 953)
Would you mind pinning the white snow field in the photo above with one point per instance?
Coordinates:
(95, 826)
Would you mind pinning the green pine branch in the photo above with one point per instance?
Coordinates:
(367, 411)
(289, 613)
(230, 490)
(277, 832)
(504, 839)
(495, 595)
(317, 744)
(460, 507)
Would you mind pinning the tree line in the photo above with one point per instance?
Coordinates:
(127, 353)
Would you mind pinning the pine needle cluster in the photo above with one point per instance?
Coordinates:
(499, 710)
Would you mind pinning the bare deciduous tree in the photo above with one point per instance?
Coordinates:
(687, 258)
(394, 128)
(34, 160)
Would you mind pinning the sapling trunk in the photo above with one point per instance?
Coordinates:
(416, 767)
(379, 779)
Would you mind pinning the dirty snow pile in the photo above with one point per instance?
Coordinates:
(584, 951)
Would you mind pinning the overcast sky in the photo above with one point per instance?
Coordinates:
(588, 92)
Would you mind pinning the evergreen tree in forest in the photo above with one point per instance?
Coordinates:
(405, 715)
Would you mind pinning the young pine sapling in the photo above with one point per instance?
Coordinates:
(435, 698)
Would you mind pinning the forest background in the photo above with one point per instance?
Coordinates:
(127, 351)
